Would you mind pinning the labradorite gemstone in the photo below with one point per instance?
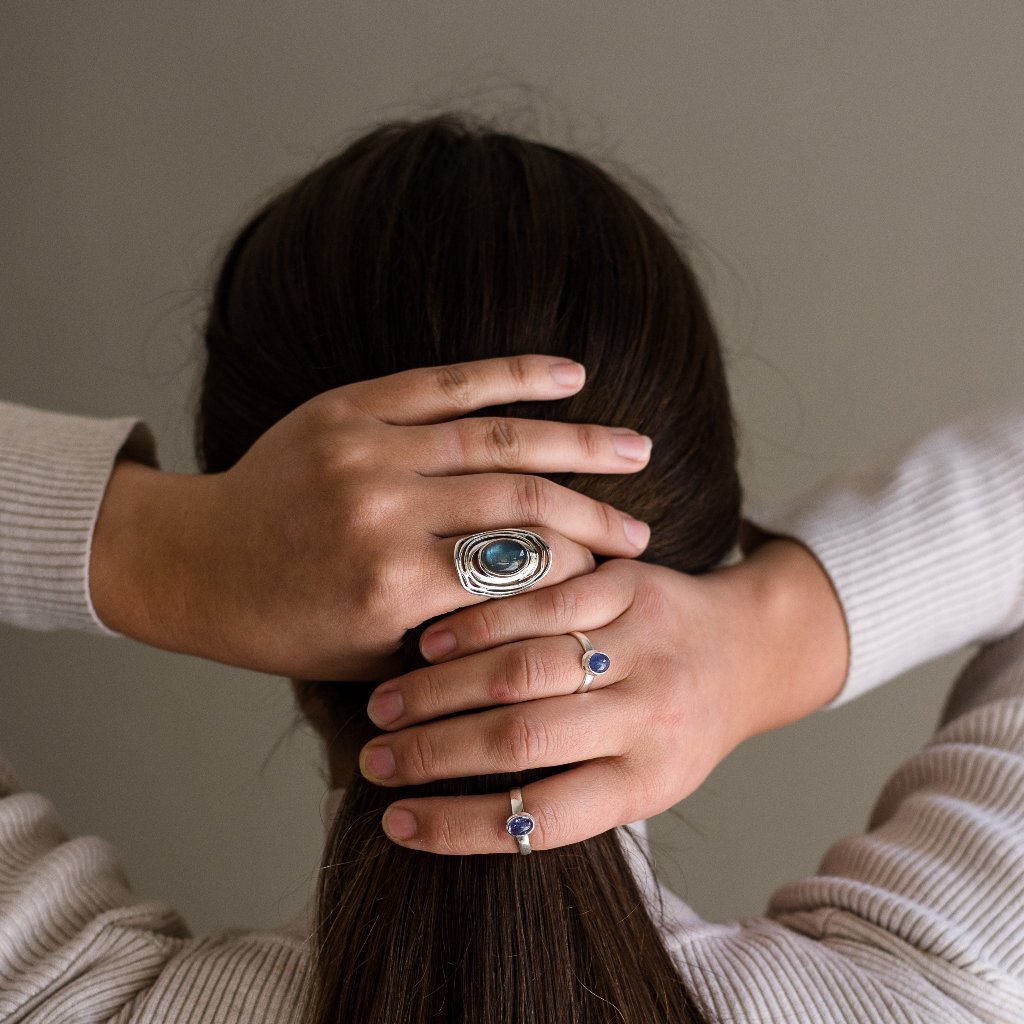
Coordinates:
(598, 662)
(504, 557)
(520, 825)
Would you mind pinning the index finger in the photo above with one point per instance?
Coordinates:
(431, 394)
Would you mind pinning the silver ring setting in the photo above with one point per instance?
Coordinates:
(500, 563)
(593, 663)
(520, 824)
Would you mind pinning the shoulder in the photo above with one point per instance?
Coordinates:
(241, 976)
(919, 918)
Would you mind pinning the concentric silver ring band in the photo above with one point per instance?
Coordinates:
(477, 578)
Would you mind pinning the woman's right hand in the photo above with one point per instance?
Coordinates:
(335, 533)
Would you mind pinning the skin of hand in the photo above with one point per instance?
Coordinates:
(698, 665)
(335, 532)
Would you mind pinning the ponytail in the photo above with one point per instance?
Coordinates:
(563, 936)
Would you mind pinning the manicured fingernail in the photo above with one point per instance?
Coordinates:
(637, 533)
(567, 375)
(399, 823)
(632, 446)
(437, 645)
(385, 708)
(378, 763)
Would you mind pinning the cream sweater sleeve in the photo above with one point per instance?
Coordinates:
(925, 547)
(54, 470)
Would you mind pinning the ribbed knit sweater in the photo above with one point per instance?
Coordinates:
(919, 919)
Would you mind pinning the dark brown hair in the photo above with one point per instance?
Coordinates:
(432, 242)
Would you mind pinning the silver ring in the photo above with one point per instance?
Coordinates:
(500, 563)
(520, 824)
(593, 663)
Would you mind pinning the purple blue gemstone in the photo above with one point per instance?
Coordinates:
(598, 662)
(520, 825)
(504, 557)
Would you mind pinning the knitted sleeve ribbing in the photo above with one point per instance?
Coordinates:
(926, 549)
(54, 470)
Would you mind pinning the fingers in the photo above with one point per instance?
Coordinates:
(583, 602)
(493, 501)
(535, 734)
(480, 444)
(436, 585)
(568, 807)
(545, 667)
(435, 393)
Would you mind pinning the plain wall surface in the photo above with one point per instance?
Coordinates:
(852, 173)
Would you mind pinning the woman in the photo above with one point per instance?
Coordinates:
(433, 243)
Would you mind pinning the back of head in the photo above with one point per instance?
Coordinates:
(434, 242)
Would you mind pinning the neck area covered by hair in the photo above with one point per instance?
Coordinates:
(331, 802)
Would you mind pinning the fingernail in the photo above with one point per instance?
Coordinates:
(438, 644)
(637, 533)
(399, 823)
(385, 708)
(378, 763)
(567, 374)
(632, 446)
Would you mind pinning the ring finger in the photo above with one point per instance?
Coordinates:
(516, 672)
(440, 592)
(559, 730)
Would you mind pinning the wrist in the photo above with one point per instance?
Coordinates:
(803, 635)
(146, 548)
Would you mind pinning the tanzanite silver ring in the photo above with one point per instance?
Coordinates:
(594, 663)
(520, 824)
(499, 563)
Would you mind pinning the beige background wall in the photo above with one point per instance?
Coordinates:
(853, 169)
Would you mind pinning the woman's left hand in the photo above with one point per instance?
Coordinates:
(698, 664)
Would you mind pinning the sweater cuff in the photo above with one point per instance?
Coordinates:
(926, 551)
(54, 470)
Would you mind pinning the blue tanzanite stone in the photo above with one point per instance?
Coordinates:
(598, 662)
(520, 825)
(504, 557)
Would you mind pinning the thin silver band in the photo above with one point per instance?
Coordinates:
(588, 677)
(516, 799)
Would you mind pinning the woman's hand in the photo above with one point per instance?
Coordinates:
(335, 532)
(698, 664)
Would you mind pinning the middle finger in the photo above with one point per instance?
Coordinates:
(535, 734)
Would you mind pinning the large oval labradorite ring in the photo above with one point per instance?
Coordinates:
(520, 824)
(500, 563)
(593, 663)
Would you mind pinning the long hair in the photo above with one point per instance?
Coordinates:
(436, 241)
